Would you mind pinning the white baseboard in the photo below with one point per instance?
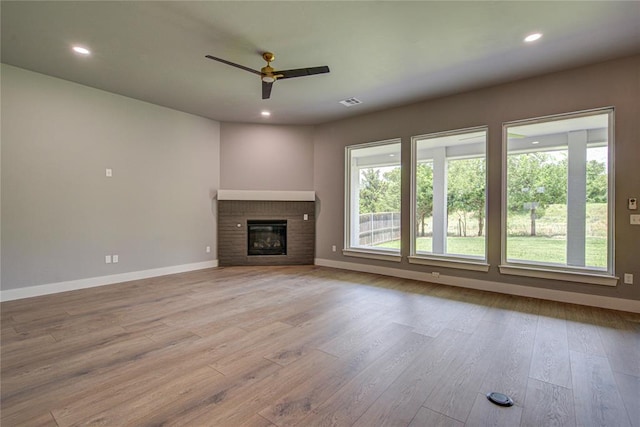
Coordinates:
(53, 288)
(486, 285)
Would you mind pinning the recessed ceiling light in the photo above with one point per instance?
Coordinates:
(81, 50)
(533, 37)
(265, 113)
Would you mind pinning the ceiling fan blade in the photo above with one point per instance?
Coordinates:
(266, 90)
(301, 72)
(233, 64)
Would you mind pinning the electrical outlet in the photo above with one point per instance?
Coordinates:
(107, 259)
(108, 172)
(115, 258)
(208, 249)
(634, 219)
(435, 274)
(628, 278)
(633, 204)
(333, 248)
(305, 217)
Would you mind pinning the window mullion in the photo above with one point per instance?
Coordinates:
(576, 198)
(355, 201)
(439, 200)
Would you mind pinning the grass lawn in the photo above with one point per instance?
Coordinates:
(522, 248)
(549, 246)
(545, 249)
(455, 245)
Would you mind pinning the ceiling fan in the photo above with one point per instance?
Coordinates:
(268, 75)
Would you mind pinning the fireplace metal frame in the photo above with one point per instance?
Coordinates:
(267, 225)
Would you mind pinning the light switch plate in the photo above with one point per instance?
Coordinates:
(634, 219)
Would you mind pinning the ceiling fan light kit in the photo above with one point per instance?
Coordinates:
(269, 76)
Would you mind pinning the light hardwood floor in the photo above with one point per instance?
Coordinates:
(307, 346)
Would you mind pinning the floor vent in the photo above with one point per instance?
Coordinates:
(350, 101)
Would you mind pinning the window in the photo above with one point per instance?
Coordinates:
(449, 199)
(558, 200)
(373, 200)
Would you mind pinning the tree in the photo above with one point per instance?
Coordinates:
(597, 182)
(466, 181)
(372, 191)
(392, 194)
(424, 193)
(536, 180)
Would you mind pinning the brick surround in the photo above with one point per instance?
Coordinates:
(232, 240)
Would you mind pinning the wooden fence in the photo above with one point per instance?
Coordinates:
(379, 227)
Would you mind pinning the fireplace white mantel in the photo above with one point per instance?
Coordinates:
(269, 195)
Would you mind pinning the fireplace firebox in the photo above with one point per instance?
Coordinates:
(266, 237)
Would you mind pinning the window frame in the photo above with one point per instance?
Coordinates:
(382, 254)
(563, 272)
(447, 260)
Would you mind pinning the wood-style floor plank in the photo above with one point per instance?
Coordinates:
(138, 377)
(583, 336)
(486, 413)
(508, 372)
(465, 374)
(294, 406)
(629, 388)
(400, 403)
(622, 345)
(345, 406)
(427, 417)
(306, 345)
(548, 405)
(595, 393)
(235, 409)
(550, 360)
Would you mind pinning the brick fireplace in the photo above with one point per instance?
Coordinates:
(283, 224)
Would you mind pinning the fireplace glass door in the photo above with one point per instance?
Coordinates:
(267, 237)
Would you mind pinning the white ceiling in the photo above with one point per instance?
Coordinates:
(383, 53)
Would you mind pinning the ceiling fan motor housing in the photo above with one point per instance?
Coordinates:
(267, 74)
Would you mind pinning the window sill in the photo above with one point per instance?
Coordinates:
(449, 263)
(567, 276)
(379, 255)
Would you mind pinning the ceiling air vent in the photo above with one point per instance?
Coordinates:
(350, 101)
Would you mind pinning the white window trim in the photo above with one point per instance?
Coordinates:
(564, 273)
(449, 262)
(379, 254)
(444, 260)
(383, 254)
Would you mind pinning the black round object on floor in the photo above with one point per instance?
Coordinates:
(500, 399)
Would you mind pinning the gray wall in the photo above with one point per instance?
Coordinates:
(614, 83)
(266, 157)
(61, 215)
